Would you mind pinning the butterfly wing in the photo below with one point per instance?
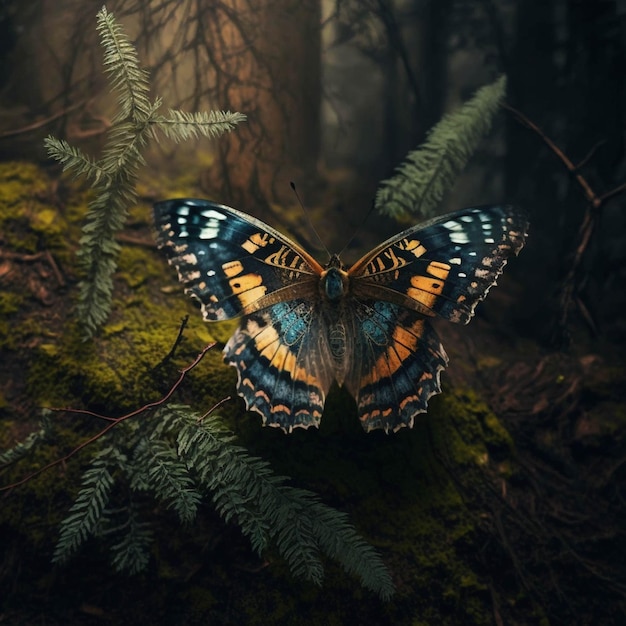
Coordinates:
(230, 262)
(284, 369)
(446, 266)
(236, 265)
(396, 365)
(441, 268)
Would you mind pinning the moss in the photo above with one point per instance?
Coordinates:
(476, 433)
(403, 499)
(395, 488)
(10, 303)
(21, 181)
(38, 505)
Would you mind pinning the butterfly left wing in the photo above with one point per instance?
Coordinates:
(237, 265)
(283, 366)
(443, 267)
(232, 263)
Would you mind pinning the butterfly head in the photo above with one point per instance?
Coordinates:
(334, 280)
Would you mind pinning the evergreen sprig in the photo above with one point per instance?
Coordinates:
(175, 459)
(31, 443)
(429, 171)
(88, 510)
(114, 175)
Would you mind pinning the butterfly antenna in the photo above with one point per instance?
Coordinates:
(358, 228)
(308, 217)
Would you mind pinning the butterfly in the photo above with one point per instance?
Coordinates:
(304, 325)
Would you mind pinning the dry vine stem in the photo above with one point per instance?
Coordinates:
(594, 203)
(112, 421)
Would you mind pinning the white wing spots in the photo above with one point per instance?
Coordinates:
(209, 230)
(472, 253)
(455, 261)
(212, 227)
(459, 236)
(466, 218)
(211, 214)
(189, 258)
(182, 227)
(452, 226)
(210, 273)
(462, 275)
(489, 240)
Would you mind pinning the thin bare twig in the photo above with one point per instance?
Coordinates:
(570, 288)
(44, 122)
(112, 422)
(38, 256)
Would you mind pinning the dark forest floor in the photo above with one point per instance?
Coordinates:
(505, 505)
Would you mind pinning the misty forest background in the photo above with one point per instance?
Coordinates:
(336, 93)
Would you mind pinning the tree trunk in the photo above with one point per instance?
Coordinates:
(269, 69)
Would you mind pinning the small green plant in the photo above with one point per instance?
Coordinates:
(114, 175)
(429, 171)
(174, 458)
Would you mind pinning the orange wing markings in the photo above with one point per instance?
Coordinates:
(426, 290)
(404, 342)
(269, 345)
(256, 241)
(384, 258)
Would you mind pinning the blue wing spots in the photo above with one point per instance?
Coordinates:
(271, 381)
(294, 322)
(378, 326)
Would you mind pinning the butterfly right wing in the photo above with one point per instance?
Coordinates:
(395, 366)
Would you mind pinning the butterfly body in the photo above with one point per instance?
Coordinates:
(304, 325)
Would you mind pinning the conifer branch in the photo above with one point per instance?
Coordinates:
(245, 490)
(114, 175)
(181, 125)
(88, 509)
(74, 159)
(429, 171)
(22, 448)
(122, 65)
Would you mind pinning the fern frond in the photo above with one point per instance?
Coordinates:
(73, 159)
(132, 553)
(430, 170)
(245, 490)
(336, 536)
(88, 508)
(122, 65)
(180, 125)
(22, 448)
(167, 477)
